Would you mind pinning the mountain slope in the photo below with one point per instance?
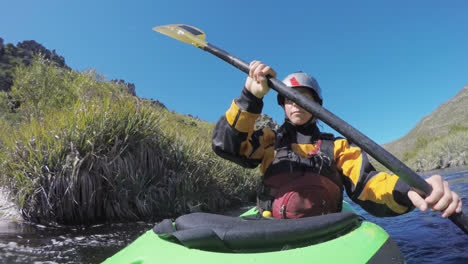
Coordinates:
(449, 115)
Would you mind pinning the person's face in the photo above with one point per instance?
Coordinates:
(295, 113)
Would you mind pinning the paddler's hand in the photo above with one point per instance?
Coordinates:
(441, 198)
(256, 82)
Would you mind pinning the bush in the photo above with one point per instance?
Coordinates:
(65, 167)
(448, 151)
(86, 152)
(43, 87)
(116, 162)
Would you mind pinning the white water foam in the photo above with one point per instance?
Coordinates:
(8, 210)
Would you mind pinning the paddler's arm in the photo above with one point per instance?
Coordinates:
(234, 137)
(379, 193)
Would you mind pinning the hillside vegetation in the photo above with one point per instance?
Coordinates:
(439, 140)
(12, 56)
(77, 149)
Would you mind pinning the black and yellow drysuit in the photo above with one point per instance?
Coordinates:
(304, 169)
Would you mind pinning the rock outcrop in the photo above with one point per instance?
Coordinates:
(12, 56)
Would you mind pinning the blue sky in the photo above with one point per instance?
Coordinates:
(382, 65)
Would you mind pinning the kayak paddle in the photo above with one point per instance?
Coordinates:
(196, 37)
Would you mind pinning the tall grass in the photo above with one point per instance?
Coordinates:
(448, 151)
(214, 183)
(70, 167)
(43, 87)
(438, 153)
(101, 155)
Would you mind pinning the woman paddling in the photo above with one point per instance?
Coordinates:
(305, 171)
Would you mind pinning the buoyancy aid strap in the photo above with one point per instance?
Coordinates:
(325, 138)
(328, 147)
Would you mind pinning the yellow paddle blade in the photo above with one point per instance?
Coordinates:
(184, 33)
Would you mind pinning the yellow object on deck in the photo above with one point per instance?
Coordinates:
(266, 214)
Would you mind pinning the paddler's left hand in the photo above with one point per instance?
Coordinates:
(441, 198)
(256, 82)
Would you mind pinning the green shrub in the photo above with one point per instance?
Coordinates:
(87, 152)
(458, 128)
(118, 161)
(43, 87)
(4, 103)
(65, 167)
(448, 151)
(420, 143)
(408, 156)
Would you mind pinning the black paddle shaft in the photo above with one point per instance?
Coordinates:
(352, 134)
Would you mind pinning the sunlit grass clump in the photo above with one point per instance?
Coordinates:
(440, 153)
(97, 154)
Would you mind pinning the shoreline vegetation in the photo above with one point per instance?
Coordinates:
(444, 152)
(81, 150)
(77, 149)
(448, 151)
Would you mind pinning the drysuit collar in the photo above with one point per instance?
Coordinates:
(309, 128)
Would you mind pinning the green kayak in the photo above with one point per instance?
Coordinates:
(208, 238)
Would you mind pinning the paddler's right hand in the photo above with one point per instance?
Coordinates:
(256, 82)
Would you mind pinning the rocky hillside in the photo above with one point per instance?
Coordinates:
(265, 121)
(442, 121)
(23, 53)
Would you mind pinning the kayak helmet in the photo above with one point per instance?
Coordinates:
(300, 79)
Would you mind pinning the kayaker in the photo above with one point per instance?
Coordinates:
(305, 171)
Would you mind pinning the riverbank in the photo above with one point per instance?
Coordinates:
(448, 170)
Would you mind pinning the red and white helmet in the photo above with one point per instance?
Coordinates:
(300, 79)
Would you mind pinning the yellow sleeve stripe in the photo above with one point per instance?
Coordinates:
(268, 157)
(246, 148)
(267, 143)
(266, 140)
(241, 120)
(379, 190)
(232, 112)
(348, 159)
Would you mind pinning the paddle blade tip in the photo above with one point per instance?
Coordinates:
(185, 33)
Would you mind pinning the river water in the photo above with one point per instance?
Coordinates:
(422, 237)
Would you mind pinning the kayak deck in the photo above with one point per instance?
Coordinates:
(357, 246)
(366, 243)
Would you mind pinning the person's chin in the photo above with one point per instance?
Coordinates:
(298, 121)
